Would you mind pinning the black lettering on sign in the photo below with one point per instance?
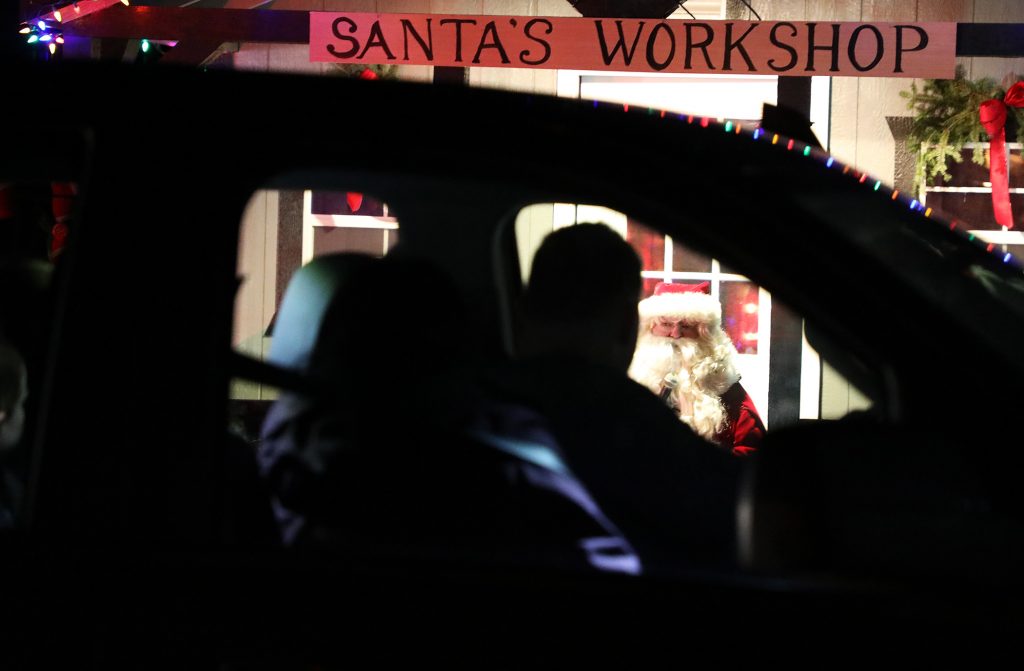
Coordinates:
(627, 56)
(652, 40)
(458, 34)
(543, 43)
(852, 49)
(709, 36)
(348, 53)
(737, 45)
(812, 47)
(922, 42)
(377, 40)
(427, 46)
(495, 43)
(782, 45)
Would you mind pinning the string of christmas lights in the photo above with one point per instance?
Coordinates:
(45, 30)
(758, 134)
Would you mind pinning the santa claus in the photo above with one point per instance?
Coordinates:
(685, 357)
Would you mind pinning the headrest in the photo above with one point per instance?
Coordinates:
(300, 317)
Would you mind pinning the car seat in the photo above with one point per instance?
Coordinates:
(389, 457)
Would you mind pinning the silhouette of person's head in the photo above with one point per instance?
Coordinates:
(395, 320)
(581, 299)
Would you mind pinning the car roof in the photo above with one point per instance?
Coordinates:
(168, 159)
(455, 163)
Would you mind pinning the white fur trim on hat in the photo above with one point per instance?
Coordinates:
(693, 307)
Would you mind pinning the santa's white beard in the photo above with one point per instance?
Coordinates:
(700, 372)
(654, 358)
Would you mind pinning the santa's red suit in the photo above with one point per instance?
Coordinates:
(695, 374)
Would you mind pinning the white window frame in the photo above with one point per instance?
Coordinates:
(311, 221)
(994, 237)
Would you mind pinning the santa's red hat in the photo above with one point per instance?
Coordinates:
(689, 302)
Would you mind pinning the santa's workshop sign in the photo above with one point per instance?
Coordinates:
(795, 48)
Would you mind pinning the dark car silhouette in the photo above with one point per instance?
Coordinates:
(128, 551)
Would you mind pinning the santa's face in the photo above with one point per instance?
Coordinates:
(668, 327)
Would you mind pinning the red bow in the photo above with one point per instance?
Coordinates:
(993, 117)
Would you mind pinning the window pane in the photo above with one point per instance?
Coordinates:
(740, 306)
(727, 269)
(347, 203)
(969, 173)
(649, 245)
(687, 260)
(330, 240)
(974, 209)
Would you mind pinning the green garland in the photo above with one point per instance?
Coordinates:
(946, 118)
(383, 71)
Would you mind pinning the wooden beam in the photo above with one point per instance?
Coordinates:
(191, 52)
(292, 27)
(990, 39)
(203, 25)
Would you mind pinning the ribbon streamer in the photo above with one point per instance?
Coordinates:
(992, 114)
